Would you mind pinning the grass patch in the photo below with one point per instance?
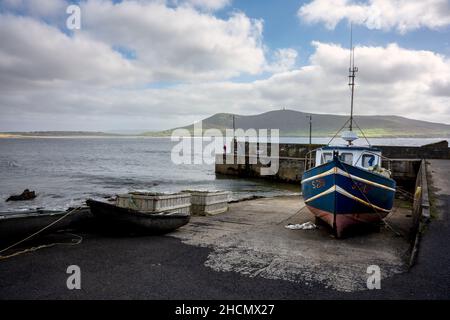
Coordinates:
(404, 204)
(432, 197)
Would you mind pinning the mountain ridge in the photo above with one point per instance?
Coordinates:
(294, 123)
(291, 123)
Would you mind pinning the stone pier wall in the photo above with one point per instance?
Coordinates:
(404, 162)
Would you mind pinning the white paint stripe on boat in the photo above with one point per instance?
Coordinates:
(348, 195)
(332, 189)
(336, 170)
(323, 174)
(351, 176)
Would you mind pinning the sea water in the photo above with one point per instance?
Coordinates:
(64, 172)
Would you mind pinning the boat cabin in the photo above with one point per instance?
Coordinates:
(362, 157)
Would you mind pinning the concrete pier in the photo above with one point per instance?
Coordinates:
(404, 162)
(432, 265)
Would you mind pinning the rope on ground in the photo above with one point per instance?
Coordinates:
(73, 243)
(405, 193)
(38, 232)
(297, 212)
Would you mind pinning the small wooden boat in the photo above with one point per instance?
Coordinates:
(129, 219)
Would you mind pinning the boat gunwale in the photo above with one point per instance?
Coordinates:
(337, 161)
(158, 215)
(346, 147)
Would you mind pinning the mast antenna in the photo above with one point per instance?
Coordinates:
(351, 77)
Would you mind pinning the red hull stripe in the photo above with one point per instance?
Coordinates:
(343, 221)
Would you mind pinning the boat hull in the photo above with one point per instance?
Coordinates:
(343, 195)
(125, 219)
(18, 225)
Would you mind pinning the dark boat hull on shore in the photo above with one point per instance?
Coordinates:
(132, 220)
(15, 225)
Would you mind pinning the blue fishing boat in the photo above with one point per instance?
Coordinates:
(347, 185)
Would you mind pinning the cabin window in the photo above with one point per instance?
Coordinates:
(346, 157)
(368, 160)
(327, 157)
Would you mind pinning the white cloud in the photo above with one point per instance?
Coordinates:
(402, 15)
(37, 8)
(206, 4)
(284, 60)
(391, 80)
(167, 44)
(50, 80)
(35, 54)
(178, 43)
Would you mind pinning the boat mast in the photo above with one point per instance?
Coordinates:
(352, 70)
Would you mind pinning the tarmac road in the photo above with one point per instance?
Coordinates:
(158, 267)
(429, 278)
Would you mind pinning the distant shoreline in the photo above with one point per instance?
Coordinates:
(20, 136)
(121, 136)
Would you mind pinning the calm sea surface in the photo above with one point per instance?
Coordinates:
(66, 171)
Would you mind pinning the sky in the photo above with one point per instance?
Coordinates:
(158, 64)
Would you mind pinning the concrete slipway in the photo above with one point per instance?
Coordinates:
(251, 239)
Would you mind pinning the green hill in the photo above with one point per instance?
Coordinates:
(296, 124)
